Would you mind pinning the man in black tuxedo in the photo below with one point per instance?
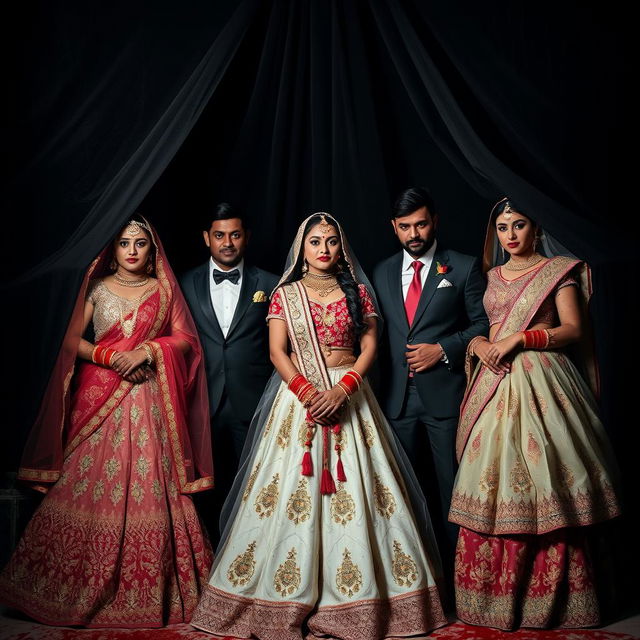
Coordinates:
(229, 300)
(431, 301)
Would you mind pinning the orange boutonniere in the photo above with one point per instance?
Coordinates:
(441, 269)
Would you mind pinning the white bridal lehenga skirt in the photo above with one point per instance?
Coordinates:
(349, 565)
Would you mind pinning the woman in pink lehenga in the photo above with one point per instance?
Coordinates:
(121, 439)
(536, 466)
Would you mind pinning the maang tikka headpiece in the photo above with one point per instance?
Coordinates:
(325, 225)
(134, 227)
(508, 211)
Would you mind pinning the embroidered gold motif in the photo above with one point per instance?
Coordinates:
(267, 498)
(490, 478)
(519, 478)
(273, 415)
(366, 430)
(96, 437)
(561, 399)
(284, 433)
(474, 449)
(98, 490)
(343, 508)
(86, 462)
(143, 437)
(116, 493)
(155, 413)
(64, 478)
(526, 363)
(533, 449)
(514, 403)
(166, 463)
(500, 408)
(135, 414)
(299, 504)
(251, 482)
(80, 487)
(137, 492)
(156, 489)
(173, 489)
(384, 500)
(111, 468)
(142, 467)
(404, 569)
(117, 438)
(566, 479)
(348, 576)
(242, 568)
(287, 577)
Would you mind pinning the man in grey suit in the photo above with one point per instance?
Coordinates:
(431, 301)
(229, 300)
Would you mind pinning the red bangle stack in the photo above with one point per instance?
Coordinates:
(302, 388)
(538, 339)
(350, 382)
(102, 355)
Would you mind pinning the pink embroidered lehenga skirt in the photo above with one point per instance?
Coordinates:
(114, 543)
(536, 471)
(348, 565)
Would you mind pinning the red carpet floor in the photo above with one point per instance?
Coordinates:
(20, 630)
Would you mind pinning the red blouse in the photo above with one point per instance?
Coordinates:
(332, 321)
(501, 294)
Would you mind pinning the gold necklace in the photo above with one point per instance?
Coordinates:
(129, 283)
(322, 284)
(511, 265)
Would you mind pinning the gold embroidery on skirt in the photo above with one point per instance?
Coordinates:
(111, 468)
(474, 450)
(566, 479)
(287, 577)
(137, 492)
(267, 499)
(242, 568)
(514, 404)
(366, 430)
(98, 490)
(86, 462)
(156, 489)
(142, 466)
(526, 363)
(343, 508)
(96, 437)
(117, 415)
(80, 487)
(284, 432)
(500, 408)
(135, 414)
(519, 478)
(533, 449)
(143, 436)
(251, 482)
(299, 504)
(116, 493)
(404, 569)
(490, 478)
(384, 500)
(348, 576)
(273, 415)
(561, 399)
(117, 438)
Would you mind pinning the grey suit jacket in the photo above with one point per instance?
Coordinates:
(450, 316)
(238, 364)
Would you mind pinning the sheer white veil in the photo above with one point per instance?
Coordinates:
(292, 271)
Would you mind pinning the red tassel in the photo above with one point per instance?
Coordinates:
(327, 485)
(340, 471)
(307, 464)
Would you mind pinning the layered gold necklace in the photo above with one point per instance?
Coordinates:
(322, 284)
(129, 283)
(512, 265)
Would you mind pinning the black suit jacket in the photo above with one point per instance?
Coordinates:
(448, 315)
(238, 364)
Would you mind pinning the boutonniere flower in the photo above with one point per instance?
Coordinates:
(441, 269)
(260, 296)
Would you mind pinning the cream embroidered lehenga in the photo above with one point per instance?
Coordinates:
(535, 469)
(357, 564)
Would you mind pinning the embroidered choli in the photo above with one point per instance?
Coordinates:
(501, 295)
(110, 308)
(332, 321)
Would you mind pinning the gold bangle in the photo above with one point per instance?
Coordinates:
(343, 391)
(93, 353)
(147, 349)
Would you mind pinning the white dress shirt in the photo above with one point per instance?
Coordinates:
(224, 296)
(408, 271)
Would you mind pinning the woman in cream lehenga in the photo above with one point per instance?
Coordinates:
(121, 439)
(327, 534)
(535, 464)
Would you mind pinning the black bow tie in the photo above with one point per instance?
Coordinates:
(233, 276)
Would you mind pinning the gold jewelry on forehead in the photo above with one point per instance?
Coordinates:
(325, 225)
(134, 227)
(508, 212)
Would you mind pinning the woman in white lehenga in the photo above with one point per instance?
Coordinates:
(327, 534)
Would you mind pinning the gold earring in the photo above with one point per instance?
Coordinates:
(149, 267)
(112, 265)
(305, 266)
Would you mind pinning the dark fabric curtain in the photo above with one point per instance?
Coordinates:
(291, 106)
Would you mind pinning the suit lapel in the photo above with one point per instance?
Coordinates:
(430, 285)
(203, 294)
(248, 286)
(394, 275)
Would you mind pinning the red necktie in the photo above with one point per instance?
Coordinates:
(413, 295)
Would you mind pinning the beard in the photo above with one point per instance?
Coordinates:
(419, 248)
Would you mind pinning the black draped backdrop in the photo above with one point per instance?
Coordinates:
(291, 106)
